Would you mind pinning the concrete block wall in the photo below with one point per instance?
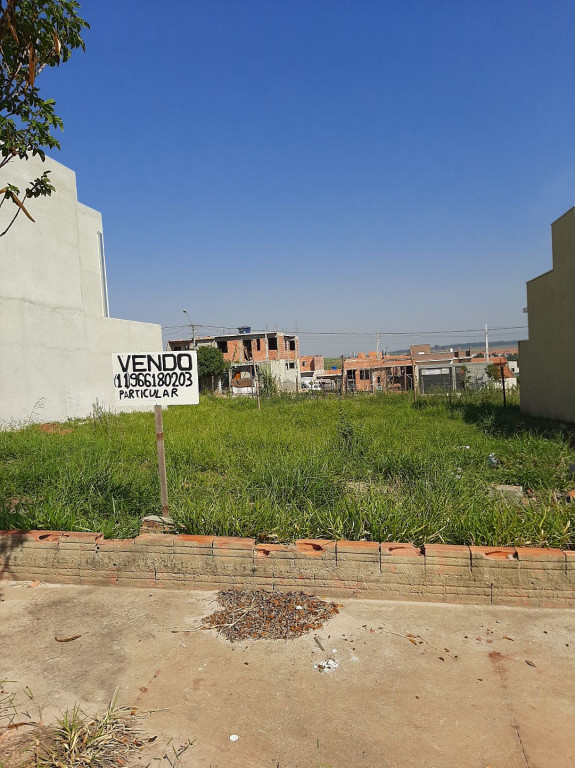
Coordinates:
(390, 571)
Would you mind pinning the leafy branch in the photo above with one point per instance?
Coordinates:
(34, 34)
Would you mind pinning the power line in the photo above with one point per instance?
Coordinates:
(358, 334)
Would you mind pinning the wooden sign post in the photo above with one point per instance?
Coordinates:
(161, 378)
(161, 459)
(503, 385)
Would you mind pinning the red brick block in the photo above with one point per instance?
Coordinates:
(496, 566)
(229, 556)
(449, 565)
(294, 582)
(396, 550)
(9, 536)
(80, 541)
(154, 542)
(320, 548)
(358, 561)
(492, 554)
(35, 557)
(446, 551)
(570, 565)
(273, 550)
(551, 558)
(311, 557)
(542, 569)
(357, 547)
(99, 577)
(117, 545)
(466, 591)
(113, 554)
(43, 539)
(401, 564)
(271, 560)
(230, 546)
(193, 542)
(174, 580)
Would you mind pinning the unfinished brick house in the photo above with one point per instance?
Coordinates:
(309, 368)
(275, 351)
(372, 373)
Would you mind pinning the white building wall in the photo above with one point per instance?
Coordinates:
(285, 376)
(55, 340)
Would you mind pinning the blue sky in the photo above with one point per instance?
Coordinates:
(345, 165)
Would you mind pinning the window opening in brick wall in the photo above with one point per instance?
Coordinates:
(222, 346)
(273, 343)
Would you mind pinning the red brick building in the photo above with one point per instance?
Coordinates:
(275, 351)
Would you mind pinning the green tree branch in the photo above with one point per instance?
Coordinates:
(34, 34)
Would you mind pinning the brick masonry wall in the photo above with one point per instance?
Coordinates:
(237, 353)
(434, 573)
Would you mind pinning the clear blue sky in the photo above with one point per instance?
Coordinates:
(348, 165)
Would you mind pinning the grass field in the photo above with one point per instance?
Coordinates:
(375, 467)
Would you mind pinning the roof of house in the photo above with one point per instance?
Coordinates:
(234, 336)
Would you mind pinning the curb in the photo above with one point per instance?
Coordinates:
(389, 571)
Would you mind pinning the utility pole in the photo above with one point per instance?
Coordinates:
(193, 327)
(342, 377)
(413, 377)
(486, 344)
(377, 337)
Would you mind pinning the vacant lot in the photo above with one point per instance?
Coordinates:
(375, 467)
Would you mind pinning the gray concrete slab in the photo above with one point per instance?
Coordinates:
(465, 696)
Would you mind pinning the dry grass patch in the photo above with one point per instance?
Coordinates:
(76, 740)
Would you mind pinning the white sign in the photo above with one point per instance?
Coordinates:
(168, 378)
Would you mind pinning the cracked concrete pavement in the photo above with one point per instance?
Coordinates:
(413, 684)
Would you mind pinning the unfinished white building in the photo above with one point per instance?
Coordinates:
(56, 338)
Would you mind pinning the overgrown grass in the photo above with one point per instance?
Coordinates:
(375, 467)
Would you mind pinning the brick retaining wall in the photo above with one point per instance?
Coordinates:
(435, 573)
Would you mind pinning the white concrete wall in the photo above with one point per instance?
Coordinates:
(546, 363)
(55, 340)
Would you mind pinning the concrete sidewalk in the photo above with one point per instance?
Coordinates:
(465, 696)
